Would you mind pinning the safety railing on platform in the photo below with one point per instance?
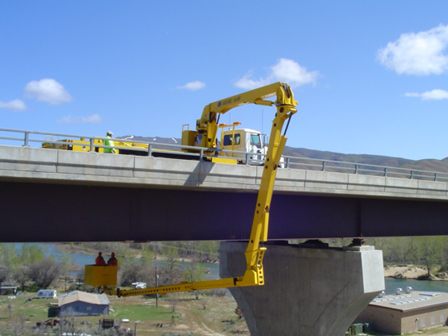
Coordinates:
(30, 138)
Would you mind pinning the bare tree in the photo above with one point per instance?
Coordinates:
(45, 272)
(133, 271)
(4, 274)
(18, 325)
(21, 276)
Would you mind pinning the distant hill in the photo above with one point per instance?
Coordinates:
(427, 164)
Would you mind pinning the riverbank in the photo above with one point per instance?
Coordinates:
(399, 272)
(404, 272)
(412, 272)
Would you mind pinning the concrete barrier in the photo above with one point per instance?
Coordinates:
(45, 165)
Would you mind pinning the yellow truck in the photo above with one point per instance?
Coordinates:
(234, 145)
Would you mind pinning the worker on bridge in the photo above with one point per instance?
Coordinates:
(108, 142)
(112, 260)
(99, 261)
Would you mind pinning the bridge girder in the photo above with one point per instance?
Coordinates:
(37, 212)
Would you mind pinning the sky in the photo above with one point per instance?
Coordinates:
(371, 77)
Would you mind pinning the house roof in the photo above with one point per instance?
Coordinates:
(96, 299)
(411, 301)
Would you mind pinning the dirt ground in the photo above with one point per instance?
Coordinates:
(404, 272)
(206, 316)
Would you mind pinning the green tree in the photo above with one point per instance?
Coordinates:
(67, 261)
(430, 251)
(170, 272)
(31, 254)
(194, 272)
(8, 256)
(147, 256)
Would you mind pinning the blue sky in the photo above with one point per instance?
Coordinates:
(370, 76)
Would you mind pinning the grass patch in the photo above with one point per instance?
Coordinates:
(143, 312)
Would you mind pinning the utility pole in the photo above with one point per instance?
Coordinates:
(135, 327)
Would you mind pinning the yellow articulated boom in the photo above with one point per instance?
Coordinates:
(253, 276)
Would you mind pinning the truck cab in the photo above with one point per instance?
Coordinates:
(244, 140)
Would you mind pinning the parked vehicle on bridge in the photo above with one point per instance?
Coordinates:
(83, 145)
(105, 277)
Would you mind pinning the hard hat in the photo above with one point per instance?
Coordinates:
(109, 133)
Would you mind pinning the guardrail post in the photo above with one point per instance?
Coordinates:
(323, 165)
(26, 139)
(149, 149)
(286, 163)
(247, 159)
(356, 169)
(435, 176)
(92, 146)
(201, 156)
(385, 172)
(412, 175)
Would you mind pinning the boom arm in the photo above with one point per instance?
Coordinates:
(207, 126)
(253, 275)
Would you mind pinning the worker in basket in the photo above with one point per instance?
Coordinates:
(112, 260)
(99, 261)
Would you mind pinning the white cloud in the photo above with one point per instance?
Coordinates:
(93, 119)
(247, 83)
(419, 53)
(192, 86)
(436, 94)
(47, 90)
(15, 105)
(285, 70)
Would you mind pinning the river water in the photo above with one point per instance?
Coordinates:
(213, 272)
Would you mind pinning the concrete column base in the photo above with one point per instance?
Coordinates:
(308, 290)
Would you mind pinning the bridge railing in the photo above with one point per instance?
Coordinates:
(364, 169)
(30, 138)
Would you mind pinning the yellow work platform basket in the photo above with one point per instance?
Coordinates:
(96, 276)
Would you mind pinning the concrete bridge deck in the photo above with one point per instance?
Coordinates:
(65, 167)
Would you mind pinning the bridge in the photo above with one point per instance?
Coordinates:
(46, 193)
(55, 195)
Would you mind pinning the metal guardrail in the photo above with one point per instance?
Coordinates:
(27, 138)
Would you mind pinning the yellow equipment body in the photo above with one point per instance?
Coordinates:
(207, 126)
(100, 276)
(83, 145)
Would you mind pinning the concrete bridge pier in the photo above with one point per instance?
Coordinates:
(309, 290)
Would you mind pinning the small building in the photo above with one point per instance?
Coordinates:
(406, 312)
(7, 288)
(81, 303)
